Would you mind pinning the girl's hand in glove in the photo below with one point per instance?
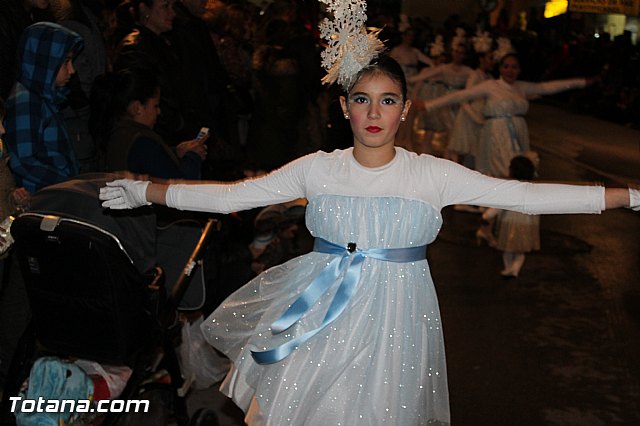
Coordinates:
(124, 194)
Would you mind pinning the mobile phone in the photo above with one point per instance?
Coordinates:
(204, 131)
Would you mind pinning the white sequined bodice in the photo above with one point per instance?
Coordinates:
(378, 222)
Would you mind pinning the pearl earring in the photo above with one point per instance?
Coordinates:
(346, 116)
(403, 118)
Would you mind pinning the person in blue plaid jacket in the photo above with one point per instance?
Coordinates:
(41, 153)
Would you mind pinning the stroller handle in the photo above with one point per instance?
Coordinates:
(182, 283)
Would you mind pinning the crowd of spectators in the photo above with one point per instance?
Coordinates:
(252, 75)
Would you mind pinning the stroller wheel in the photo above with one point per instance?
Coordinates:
(204, 417)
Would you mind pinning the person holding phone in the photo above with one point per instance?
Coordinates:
(125, 108)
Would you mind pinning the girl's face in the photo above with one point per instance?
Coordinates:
(408, 37)
(147, 113)
(458, 55)
(510, 69)
(159, 17)
(486, 61)
(375, 108)
(65, 72)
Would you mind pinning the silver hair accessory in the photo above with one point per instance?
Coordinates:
(437, 47)
(459, 38)
(351, 46)
(482, 42)
(504, 48)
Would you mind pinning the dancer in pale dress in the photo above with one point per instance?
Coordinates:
(465, 135)
(409, 59)
(431, 124)
(408, 56)
(452, 77)
(517, 233)
(350, 333)
(505, 130)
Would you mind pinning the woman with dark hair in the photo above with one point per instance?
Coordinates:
(124, 108)
(146, 48)
(350, 333)
(505, 133)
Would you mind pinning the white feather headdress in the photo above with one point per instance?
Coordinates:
(504, 48)
(351, 46)
(482, 42)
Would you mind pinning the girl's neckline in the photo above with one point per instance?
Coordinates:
(378, 168)
(504, 83)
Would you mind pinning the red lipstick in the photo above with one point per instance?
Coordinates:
(373, 129)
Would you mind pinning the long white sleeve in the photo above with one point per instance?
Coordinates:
(463, 186)
(549, 87)
(285, 184)
(478, 91)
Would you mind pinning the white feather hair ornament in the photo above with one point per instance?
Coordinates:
(351, 46)
(482, 42)
(437, 47)
(504, 48)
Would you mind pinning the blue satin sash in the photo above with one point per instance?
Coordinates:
(348, 265)
(513, 134)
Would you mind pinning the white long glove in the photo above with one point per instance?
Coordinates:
(124, 194)
(634, 199)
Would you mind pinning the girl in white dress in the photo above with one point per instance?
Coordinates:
(408, 56)
(465, 135)
(505, 133)
(409, 59)
(350, 333)
(517, 233)
(446, 78)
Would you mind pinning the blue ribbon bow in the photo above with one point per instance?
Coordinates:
(348, 263)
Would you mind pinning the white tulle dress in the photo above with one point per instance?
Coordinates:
(382, 361)
(465, 134)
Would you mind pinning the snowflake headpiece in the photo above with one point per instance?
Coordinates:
(351, 46)
(504, 48)
(459, 38)
(482, 42)
(437, 47)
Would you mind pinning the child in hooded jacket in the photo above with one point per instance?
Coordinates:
(37, 139)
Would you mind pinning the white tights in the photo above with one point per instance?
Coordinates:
(512, 263)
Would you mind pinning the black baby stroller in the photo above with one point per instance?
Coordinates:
(97, 292)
